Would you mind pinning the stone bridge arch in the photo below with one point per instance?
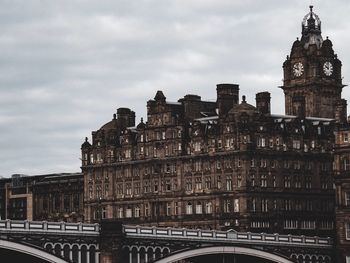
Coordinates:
(32, 251)
(223, 250)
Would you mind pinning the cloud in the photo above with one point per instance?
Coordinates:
(66, 66)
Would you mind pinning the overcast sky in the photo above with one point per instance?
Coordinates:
(66, 66)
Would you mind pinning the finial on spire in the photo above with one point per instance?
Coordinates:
(311, 7)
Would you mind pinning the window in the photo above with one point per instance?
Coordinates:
(189, 209)
(146, 207)
(128, 212)
(307, 224)
(347, 230)
(274, 181)
(347, 198)
(198, 182)
(239, 181)
(287, 205)
(137, 188)
(218, 165)
(199, 208)
(253, 208)
(345, 137)
(168, 185)
(197, 146)
(91, 192)
(188, 184)
(208, 182)
(296, 144)
(219, 182)
(209, 208)
(264, 205)
(146, 186)
(120, 212)
(227, 206)
(128, 188)
(263, 180)
(287, 181)
(345, 164)
(290, 224)
(236, 206)
(229, 184)
(298, 181)
(308, 182)
(309, 206)
(155, 186)
(168, 209)
(252, 179)
(176, 208)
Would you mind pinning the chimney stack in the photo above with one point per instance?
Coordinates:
(227, 97)
(263, 100)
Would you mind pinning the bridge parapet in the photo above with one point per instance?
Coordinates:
(230, 236)
(49, 227)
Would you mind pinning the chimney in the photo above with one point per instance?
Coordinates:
(263, 100)
(299, 106)
(126, 117)
(340, 111)
(227, 97)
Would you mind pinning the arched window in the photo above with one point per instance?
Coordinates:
(137, 211)
(208, 208)
(189, 208)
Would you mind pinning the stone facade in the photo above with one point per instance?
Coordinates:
(226, 164)
(342, 183)
(52, 197)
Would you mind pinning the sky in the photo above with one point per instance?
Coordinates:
(66, 66)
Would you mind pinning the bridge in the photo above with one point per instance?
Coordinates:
(113, 242)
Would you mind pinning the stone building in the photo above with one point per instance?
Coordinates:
(51, 197)
(342, 183)
(226, 164)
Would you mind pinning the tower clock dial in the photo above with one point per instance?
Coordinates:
(298, 69)
(328, 68)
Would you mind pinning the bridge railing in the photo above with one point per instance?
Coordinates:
(15, 225)
(230, 235)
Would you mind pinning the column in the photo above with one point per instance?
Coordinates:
(79, 255)
(97, 257)
(88, 256)
(138, 256)
(154, 254)
(130, 255)
(70, 254)
(146, 256)
(62, 251)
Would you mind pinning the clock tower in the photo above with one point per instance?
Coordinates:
(312, 73)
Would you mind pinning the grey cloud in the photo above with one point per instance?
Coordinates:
(65, 66)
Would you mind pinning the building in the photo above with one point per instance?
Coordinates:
(342, 183)
(226, 164)
(51, 197)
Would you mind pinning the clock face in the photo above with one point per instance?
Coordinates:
(328, 68)
(298, 69)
